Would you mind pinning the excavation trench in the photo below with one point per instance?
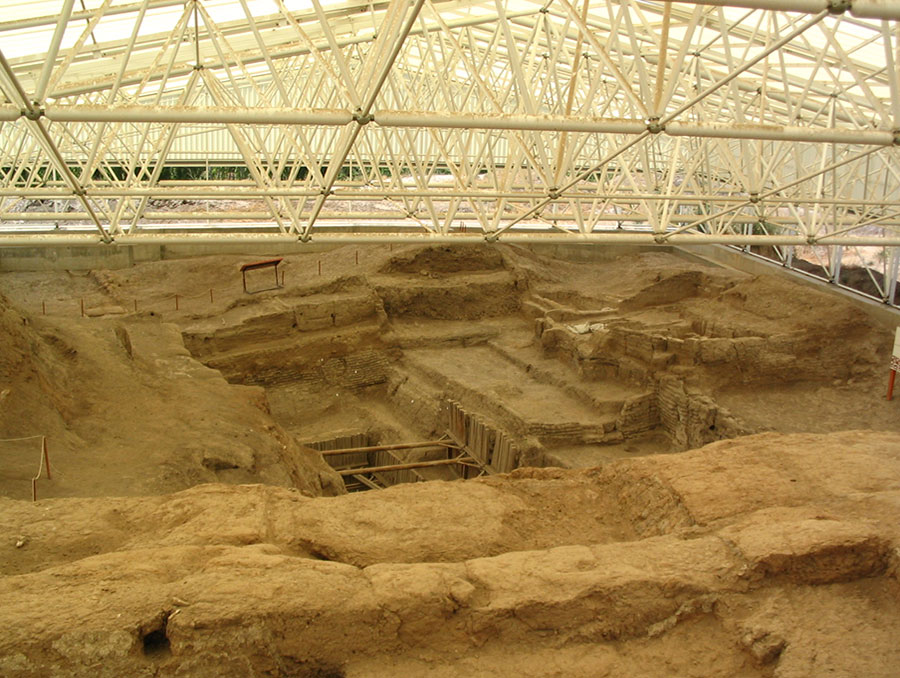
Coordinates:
(540, 373)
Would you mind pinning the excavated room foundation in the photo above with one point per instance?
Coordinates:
(191, 525)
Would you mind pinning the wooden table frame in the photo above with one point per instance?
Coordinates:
(260, 264)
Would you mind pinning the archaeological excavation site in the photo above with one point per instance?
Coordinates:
(458, 338)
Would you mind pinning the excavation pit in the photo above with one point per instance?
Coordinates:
(751, 551)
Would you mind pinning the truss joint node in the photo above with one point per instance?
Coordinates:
(544, 10)
(553, 193)
(34, 114)
(654, 127)
(811, 240)
(491, 237)
(896, 134)
(326, 192)
(839, 6)
(305, 237)
(363, 119)
(659, 238)
(754, 198)
(198, 67)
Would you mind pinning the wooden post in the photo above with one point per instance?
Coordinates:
(282, 277)
(82, 307)
(135, 305)
(357, 257)
(176, 301)
(46, 455)
(210, 295)
(44, 308)
(320, 267)
(890, 395)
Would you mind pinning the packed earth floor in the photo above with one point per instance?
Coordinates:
(639, 464)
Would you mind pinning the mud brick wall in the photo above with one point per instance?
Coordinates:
(354, 371)
(324, 313)
(635, 344)
(568, 432)
(417, 402)
(639, 413)
(259, 330)
(690, 419)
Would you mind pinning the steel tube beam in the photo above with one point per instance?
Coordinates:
(198, 115)
(50, 59)
(781, 133)
(549, 123)
(49, 146)
(228, 193)
(87, 88)
(436, 119)
(195, 219)
(518, 237)
(864, 9)
(48, 20)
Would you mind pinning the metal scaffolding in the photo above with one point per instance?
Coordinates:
(767, 122)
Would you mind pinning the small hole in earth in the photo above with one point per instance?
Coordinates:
(317, 670)
(155, 641)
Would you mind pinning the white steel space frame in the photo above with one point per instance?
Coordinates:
(743, 122)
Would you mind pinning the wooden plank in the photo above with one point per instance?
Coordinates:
(380, 448)
(398, 467)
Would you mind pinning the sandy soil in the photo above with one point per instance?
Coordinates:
(187, 530)
(745, 558)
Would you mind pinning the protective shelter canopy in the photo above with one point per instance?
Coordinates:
(718, 121)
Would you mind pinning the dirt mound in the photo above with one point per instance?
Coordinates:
(749, 554)
(855, 277)
(672, 287)
(35, 382)
(446, 259)
(127, 410)
(485, 296)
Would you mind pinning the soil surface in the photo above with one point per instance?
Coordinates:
(748, 557)
(700, 473)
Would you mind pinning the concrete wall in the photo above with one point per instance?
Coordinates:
(95, 257)
(588, 252)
